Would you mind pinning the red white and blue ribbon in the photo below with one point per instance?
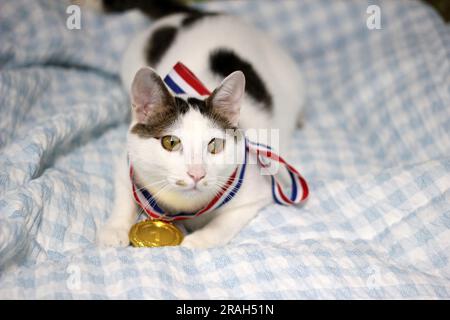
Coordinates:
(299, 186)
(182, 81)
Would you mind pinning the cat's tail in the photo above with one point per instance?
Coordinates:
(152, 8)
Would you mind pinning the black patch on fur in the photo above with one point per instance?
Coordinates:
(159, 42)
(194, 17)
(225, 61)
(198, 104)
(118, 5)
(181, 105)
(153, 8)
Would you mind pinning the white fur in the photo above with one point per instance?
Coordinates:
(152, 163)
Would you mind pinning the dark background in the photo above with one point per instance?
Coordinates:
(442, 6)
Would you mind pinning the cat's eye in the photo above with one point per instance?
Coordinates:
(171, 143)
(216, 145)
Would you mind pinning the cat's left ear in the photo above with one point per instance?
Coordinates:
(226, 98)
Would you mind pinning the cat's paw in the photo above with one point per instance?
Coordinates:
(113, 237)
(197, 241)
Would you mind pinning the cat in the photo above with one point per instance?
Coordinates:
(177, 144)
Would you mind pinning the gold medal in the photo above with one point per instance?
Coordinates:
(155, 233)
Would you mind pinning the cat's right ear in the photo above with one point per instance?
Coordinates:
(149, 95)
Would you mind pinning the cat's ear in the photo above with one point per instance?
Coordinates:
(149, 95)
(226, 98)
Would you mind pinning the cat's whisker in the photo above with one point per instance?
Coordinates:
(223, 182)
(216, 192)
(158, 193)
(152, 184)
(154, 197)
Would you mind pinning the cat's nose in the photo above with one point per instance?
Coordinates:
(196, 172)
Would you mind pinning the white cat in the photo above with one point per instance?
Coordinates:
(178, 146)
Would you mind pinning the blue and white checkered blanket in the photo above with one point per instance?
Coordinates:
(375, 148)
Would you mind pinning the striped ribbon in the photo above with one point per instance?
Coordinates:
(182, 81)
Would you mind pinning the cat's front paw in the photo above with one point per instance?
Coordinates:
(113, 237)
(199, 241)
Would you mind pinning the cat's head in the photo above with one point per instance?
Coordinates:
(183, 149)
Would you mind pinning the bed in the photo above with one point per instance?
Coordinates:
(374, 146)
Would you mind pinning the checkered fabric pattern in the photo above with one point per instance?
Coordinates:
(375, 148)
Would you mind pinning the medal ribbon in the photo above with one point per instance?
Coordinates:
(182, 81)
